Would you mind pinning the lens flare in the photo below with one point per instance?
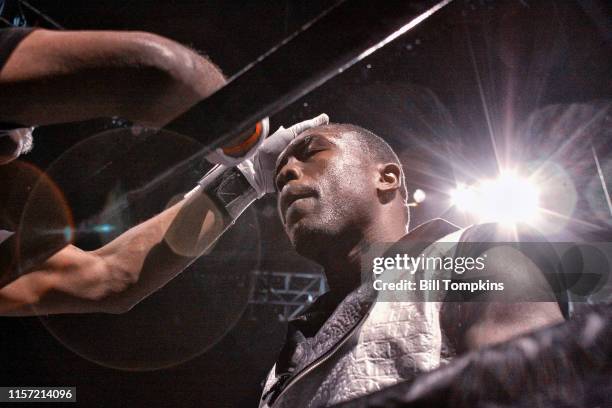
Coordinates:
(464, 198)
(419, 195)
(508, 199)
(123, 180)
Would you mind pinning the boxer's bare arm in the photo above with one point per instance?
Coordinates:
(526, 304)
(117, 276)
(62, 76)
(501, 322)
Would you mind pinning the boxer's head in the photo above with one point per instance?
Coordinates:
(337, 182)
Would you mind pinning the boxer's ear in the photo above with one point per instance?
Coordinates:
(389, 181)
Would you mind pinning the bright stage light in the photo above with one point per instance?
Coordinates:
(419, 195)
(508, 199)
(464, 198)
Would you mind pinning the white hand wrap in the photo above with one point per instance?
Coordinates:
(259, 170)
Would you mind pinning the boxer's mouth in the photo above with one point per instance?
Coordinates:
(292, 194)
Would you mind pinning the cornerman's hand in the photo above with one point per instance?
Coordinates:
(259, 170)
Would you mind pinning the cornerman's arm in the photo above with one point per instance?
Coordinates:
(63, 76)
(117, 276)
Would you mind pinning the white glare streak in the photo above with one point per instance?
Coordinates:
(507, 200)
(404, 29)
(602, 179)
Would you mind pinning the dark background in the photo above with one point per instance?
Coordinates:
(437, 94)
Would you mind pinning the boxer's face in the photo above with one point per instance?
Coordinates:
(326, 188)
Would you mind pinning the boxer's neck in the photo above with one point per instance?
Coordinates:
(342, 259)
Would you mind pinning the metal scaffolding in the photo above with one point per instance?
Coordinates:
(20, 13)
(289, 293)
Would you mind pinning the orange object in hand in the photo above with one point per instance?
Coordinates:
(250, 140)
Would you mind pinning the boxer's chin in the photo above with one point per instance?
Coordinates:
(308, 237)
